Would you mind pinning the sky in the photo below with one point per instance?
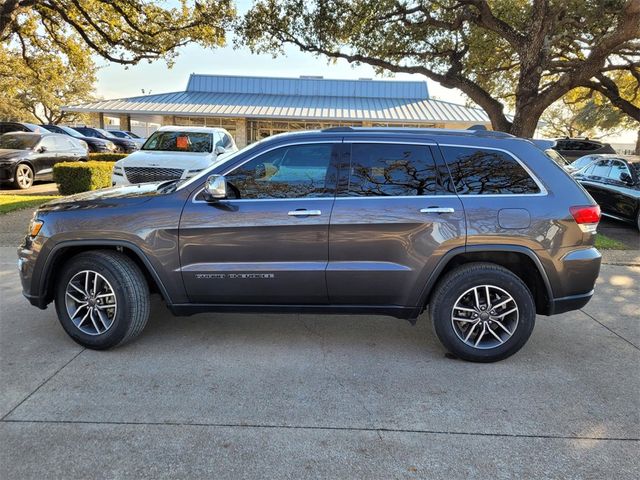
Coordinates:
(117, 81)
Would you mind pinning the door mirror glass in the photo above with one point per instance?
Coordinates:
(42, 149)
(626, 178)
(220, 150)
(215, 188)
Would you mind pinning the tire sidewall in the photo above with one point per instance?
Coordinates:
(120, 325)
(441, 314)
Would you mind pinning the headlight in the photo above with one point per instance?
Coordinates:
(111, 145)
(117, 170)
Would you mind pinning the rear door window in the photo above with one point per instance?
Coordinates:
(479, 171)
(396, 170)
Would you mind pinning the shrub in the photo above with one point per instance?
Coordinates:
(76, 177)
(106, 157)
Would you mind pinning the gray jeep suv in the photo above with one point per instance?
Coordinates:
(480, 228)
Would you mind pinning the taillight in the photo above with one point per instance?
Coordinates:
(586, 216)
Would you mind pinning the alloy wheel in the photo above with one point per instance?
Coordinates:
(485, 317)
(91, 302)
(24, 176)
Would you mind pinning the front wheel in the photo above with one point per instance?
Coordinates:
(24, 176)
(102, 299)
(482, 312)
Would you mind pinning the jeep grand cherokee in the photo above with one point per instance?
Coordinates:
(480, 228)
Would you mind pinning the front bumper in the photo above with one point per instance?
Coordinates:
(7, 172)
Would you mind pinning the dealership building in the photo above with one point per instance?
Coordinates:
(252, 108)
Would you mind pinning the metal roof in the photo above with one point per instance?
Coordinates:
(290, 98)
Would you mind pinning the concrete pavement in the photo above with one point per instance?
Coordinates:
(288, 396)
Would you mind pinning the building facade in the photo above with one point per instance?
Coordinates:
(252, 108)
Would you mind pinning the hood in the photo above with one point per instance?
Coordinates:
(184, 160)
(10, 154)
(106, 197)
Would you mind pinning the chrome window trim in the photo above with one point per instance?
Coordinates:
(543, 191)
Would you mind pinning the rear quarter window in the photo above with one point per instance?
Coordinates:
(478, 171)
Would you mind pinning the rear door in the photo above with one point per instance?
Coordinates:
(267, 243)
(390, 224)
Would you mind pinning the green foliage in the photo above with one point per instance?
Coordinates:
(121, 31)
(106, 157)
(76, 177)
(9, 203)
(521, 54)
(36, 84)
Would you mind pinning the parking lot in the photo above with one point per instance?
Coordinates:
(307, 396)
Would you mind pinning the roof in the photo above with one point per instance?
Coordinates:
(295, 98)
(178, 128)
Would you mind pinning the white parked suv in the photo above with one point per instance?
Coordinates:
(172, 153)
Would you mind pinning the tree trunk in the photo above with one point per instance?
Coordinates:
(638, 143)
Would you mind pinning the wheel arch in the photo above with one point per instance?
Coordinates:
(515, 258)
(64, 251)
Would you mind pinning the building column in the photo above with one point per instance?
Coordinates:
(241, 132)
(367, 124)
(100, 120)
(125, 122)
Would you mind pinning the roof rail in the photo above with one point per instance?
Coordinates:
(478, 127)
(420, 131)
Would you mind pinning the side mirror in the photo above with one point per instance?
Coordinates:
(626, 178)
(220, 150)
(215, 188)
(42, 149)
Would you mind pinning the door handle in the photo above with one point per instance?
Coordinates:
(304, 213)
(437, 210)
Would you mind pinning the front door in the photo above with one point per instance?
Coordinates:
(390, 224)
(267, 243)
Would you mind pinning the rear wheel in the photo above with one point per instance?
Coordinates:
(24, 176)
(482, 312)
(102, 299)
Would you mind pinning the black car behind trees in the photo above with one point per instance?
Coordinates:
(124, 145)
(572, 148)
(96, 145)
(25, 157)
(614, 182)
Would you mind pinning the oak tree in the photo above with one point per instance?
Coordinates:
(521, 55)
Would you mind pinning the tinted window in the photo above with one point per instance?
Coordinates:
(582, 162)
(288, 172)
(49, 143)
(598, 169)
(18, 142)
(201, 142)
(619, 168)
(391, 170)
(88, 132)
(475, 171)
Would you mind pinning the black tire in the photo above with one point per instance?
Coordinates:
(131, 294)
(459, 281)
(24, 176)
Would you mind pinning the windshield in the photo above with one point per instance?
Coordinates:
(118, 134)
(556, 157)
(70, 131)
(105, 133)
(18, 142)
(583, 161)
(199, 142)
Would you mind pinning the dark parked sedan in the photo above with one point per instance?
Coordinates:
(614, 182)
(25, 157)
(124, 145)
(572, 148)
(96, 145)
(6, 127)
